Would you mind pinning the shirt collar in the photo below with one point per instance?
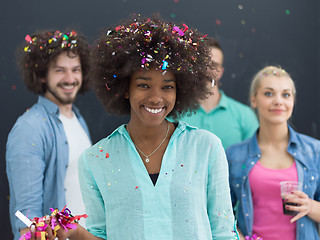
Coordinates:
(293, 138)
(254, 147)
(223, 103)
(182, 126)
(53, 108)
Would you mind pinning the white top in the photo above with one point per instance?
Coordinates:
(78, 141)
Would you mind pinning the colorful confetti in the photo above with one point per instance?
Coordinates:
(67, 40)
(57, 220)
(148, 30)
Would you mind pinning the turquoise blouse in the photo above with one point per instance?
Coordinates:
(191, 198)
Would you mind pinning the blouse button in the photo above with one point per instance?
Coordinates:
(243, 195)
(294, 154)
(247, 215)
(259, 155)
(305, 168)
(302, 225)
(312, 178)
(237, 185)
(252, 163)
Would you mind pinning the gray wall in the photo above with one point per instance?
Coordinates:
(252, 33)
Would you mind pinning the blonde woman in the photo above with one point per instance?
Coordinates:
(275, 153)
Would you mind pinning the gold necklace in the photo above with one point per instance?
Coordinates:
(147, 156)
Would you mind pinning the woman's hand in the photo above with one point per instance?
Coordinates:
(304, 204)
(61, 234)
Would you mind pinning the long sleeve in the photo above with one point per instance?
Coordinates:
(219, 201)
(25, 171)
(96, 222)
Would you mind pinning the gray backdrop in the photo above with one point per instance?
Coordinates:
(253, 33)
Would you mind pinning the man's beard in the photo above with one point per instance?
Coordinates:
(63, 101)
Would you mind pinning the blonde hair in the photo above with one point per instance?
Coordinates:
(269, 71)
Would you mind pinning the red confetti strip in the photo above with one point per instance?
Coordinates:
(185, 28)
(119, 27)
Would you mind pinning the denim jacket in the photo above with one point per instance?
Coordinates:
(37, 157)
(243, 156)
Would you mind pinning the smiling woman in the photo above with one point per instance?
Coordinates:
(151, 178)
(274, 154)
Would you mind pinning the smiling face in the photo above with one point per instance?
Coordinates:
(64, 79)
(152, 96)
(274, 99)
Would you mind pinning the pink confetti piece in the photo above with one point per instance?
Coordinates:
(178, 30)
(28, 38)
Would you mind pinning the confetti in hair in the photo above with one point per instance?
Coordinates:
(145, 40)
(55, 40)
(279, 72)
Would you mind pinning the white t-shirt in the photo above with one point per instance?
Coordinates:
(78, 141)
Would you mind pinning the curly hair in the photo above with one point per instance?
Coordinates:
(140, 43)
(39, 49)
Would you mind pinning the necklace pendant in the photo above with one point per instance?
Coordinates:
(147, 159)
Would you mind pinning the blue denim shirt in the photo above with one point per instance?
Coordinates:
(37, 158)
(243, 156)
